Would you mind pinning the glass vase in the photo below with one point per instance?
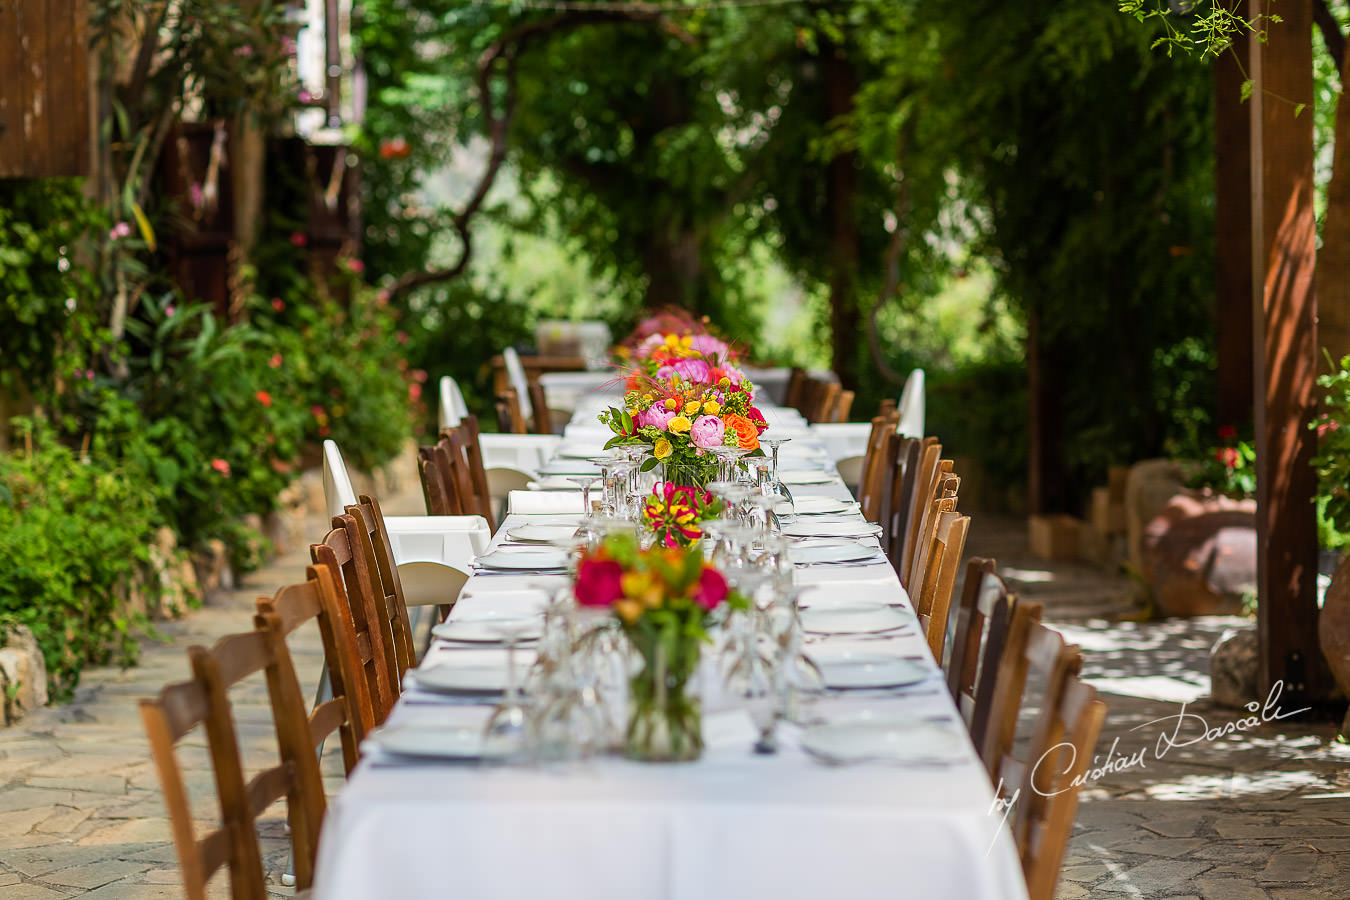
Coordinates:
(665, 720)
(689, 474)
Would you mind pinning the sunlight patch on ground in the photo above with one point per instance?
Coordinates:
(1239, 784)
(1026, 576)
(1154, 687)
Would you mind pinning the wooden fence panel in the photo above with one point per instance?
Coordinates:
(44, 88)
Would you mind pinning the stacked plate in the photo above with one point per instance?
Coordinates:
(488, 626)
(805, 476)
(523, 560)
(540, 534)
(855, 617)
(832, 552)
(846, 670)
(887, 739)
(476, 674)
(818, 506)
(841, 528)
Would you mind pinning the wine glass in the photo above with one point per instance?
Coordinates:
(586, 482)
(507, 734)
(776, 486)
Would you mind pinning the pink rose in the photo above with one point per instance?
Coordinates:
(707, 432)
(711, 590)
(656, 415)
(708, 345)
(598, 582)
(695, 371)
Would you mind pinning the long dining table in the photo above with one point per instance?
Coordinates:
(732, 824)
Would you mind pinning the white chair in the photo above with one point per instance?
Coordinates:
(452, 407)
(434, 551)
(544, 502)
(515, 373)
(911, 406)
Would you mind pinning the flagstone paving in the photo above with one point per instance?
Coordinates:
(1263, 813)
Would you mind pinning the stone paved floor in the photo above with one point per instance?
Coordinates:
(1261, 814)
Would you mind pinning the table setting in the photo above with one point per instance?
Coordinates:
(683, 668)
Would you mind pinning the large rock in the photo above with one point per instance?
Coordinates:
(1199, 555)
(1232, 669)
(1149, 487)
(1333, 626)
(23, 674)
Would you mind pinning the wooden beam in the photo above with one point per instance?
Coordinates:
(1284, 331)
(1233, 236)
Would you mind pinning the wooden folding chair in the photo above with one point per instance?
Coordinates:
(978, 638)
(943, 489)
(348, 711)
(543, 420)
(1060, 753)
(341, 552)
(925, 481)
(875, 482)
(903, 475)
(391, 606)
(204, 700)
(935, 596)
(843, 405)
(796, 386)
(1045, 780)
(440, 496)
(510, 414)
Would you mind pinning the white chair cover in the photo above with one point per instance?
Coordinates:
(452, 407)
(338, 493)
(515, 373)
(911, 406)
(550, 502)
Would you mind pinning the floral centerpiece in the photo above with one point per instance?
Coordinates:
(675, 513)
(684, 421)
(663, 599)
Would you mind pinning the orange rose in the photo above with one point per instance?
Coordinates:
(747, 435)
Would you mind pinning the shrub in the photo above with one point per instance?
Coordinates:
(74, 535)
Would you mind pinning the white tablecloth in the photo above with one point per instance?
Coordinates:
(732, 825)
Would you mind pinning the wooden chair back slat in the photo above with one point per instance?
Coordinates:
(977, 644)
(924, 486)
(473, 449)
(1009, 681)
(843, 406)
(949, 542)
(543, 422)
(350, 712)
(875, 481)
(906, 468)
(204, 701)
(796, 385)
(510, 412)
(392, 606)
(355, 591)
(435, 492)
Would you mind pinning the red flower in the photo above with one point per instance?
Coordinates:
(1228, 456)
(598, 582)
(754, 415)
(355, 266)
(221, 466)
(264, 398)
(277, 303)
(394, 148)
(711, 590)
(275, 361)
(1227, 432)
(298, 239)
(414, 392)
(401, 337)
(1328, 425)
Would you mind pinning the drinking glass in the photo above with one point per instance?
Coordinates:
(586, 482)
(507, 734)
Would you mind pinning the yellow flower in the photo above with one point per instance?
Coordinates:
(712, 407)
(628, 610)
(678, 425)
(672, 340)
(672, 403)
(691, 408)
(662, 448)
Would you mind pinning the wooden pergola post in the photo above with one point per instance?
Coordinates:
(1284, 342)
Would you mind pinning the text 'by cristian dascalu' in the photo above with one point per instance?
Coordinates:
(1185, 729)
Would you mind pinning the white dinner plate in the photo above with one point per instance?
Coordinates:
(819, 506)
(805, 476)
(846, 528)
(432, 742)
(485, 627)
(454, 676)
(527, 559)
(832, 552)
(853, 618)
(576, 451)
(885, 739)
(554, 483)
(563, 467)
(541, 534)
(849, 670)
